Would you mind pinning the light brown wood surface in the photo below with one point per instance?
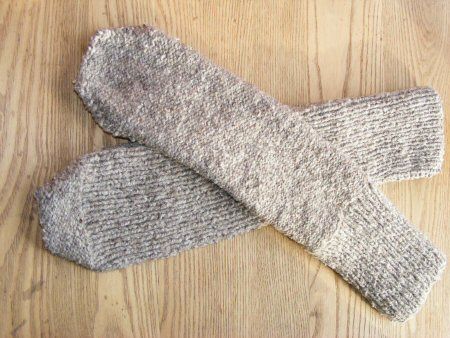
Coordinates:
(257, 285)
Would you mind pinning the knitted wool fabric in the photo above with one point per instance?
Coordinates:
(140, 84)
(392, 136)
(169, 208)
(126, 204)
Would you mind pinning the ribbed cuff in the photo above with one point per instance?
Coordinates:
(384, 257)
(394, 136)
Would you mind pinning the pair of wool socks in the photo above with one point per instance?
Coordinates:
(126, 204)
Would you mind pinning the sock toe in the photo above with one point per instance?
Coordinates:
(61, 217)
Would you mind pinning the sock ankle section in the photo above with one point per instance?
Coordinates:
(383, 256)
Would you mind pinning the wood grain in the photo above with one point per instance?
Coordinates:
(257, 285)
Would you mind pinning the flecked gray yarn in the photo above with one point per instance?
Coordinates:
(392, 136)
(152, 207)
(140, 84)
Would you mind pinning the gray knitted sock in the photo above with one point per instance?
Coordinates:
(155, 185)
(249, 144)
(126, 204)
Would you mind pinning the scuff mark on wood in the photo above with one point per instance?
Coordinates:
(27, 294)
(17, 328)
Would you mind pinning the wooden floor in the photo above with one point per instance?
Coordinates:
(257, 285)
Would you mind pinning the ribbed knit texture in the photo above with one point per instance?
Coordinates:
(393, 136)
(126, 204)
(170, 211)
(393, 266)
(140, 84)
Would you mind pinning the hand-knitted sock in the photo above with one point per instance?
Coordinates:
(126, 204)
(140, 84)
(181, 199)
(134, 173)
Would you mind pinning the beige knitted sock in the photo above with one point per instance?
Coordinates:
(294, 198)
(176, 194)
